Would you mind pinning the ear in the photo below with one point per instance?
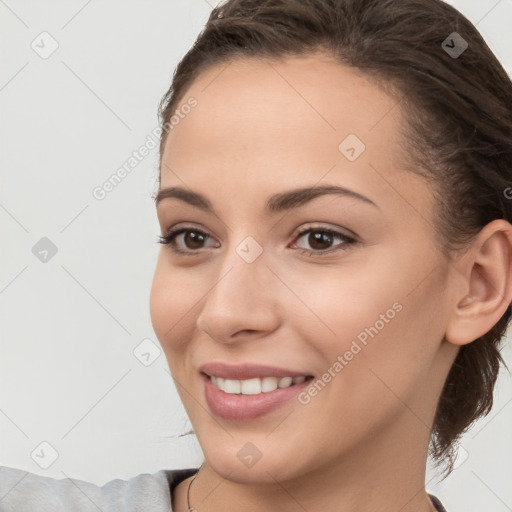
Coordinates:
(484, 288)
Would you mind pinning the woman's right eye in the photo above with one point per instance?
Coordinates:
(191, 238)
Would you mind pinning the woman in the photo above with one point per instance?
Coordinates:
(335, 275)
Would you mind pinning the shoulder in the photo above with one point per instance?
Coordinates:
(22, 491)
(437, 503)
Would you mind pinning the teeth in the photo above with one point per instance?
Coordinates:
(255, 386)
(219, 382)
(268, 384)
(285, 382)
(232, 386)
(250, 386)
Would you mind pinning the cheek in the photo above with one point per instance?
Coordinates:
(172, 299)
(338, 306)
(374, 318)
(388, 336)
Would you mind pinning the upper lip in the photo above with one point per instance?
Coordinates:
(246, 371)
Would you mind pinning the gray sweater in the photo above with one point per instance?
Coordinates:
(22, 491)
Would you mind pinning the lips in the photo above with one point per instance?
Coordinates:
(247, 371)
(239, 392)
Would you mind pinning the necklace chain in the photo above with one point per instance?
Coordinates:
(189, 508)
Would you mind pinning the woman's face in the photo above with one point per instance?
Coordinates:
(364, 320)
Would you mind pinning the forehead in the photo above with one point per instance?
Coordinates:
(300, 101)
(260, 124)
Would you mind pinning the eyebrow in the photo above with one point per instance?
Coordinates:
(275, 204)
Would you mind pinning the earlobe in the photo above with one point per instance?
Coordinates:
(487, 273)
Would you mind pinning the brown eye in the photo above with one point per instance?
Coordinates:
(185, 240)
(321, 240)
(193, 239)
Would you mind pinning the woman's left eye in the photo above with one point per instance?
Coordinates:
(318, 239)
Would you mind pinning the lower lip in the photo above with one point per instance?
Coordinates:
(230, 406)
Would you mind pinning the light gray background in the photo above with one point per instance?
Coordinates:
(69, 326)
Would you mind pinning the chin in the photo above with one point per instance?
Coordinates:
(263, 472)
(258, 462)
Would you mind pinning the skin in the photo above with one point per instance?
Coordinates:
(360, 445)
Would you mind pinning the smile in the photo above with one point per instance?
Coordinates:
(255, 385)
(250, 398)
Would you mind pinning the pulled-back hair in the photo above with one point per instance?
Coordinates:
(457, 129)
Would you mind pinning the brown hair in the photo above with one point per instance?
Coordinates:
(458, 112)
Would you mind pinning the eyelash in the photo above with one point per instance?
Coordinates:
(169, 237)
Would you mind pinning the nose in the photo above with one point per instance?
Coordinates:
(242, 301)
